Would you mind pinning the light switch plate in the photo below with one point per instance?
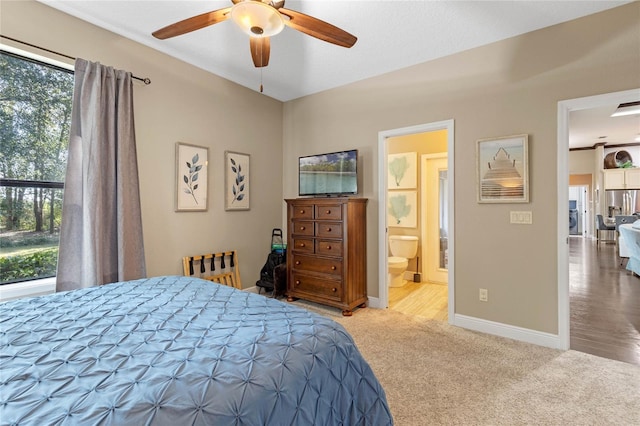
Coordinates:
(522, 217)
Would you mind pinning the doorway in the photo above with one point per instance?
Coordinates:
(564, 110)
(383, 229)
(579, 210)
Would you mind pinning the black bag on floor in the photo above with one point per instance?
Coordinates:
(277, 256)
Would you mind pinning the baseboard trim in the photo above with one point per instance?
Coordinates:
(509, 331)
(484, 326)
(374, 302)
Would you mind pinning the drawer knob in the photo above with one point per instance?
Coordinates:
(328, 212)
(333, 268)
(328, 247)
(301, 211)
(302, 228)
(334, 289)
(301, 244)
(297, 281)
(297, 262)
(328, 229)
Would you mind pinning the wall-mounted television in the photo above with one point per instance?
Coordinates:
(330, 174)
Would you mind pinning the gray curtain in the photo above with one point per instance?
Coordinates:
(101, 230)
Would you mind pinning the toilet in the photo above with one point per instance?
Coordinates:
(403, 248)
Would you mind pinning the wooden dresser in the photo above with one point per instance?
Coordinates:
(327, 251)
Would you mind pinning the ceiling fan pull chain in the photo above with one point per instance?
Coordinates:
(261, 79)
(261, 47)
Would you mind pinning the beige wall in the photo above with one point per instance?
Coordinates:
(505, 88)
(185, 104)
(582, 161)
(509, 87)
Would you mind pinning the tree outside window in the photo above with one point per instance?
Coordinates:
(35, 115)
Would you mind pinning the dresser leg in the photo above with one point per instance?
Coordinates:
(290, 299)
(363, 305)
(347, 313)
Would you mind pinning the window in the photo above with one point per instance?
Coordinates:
(35, 116)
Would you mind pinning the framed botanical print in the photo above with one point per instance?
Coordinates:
(402, 209)
(402, 170)
(236, 181)
(191, 177)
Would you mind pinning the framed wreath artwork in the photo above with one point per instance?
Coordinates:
(191, 177)
(236, 181)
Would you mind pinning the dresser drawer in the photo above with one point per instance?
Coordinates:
(329, 247)
(327, 289)
(329, 229)
(302, 227)
(329, 212)
(303, 245)
(314, 264)
(302, 212)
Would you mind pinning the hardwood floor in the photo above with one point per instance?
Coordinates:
(604, 302)
(421, 299)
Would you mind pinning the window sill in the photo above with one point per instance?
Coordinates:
(27, 289)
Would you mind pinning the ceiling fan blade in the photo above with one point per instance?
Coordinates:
(192, 24)
(317, 28)
(260, 49)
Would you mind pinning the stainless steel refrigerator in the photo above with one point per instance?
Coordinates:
(622, 202)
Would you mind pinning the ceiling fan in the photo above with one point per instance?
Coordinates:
(261, 19)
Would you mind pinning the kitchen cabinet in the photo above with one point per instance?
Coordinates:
(326, 256)
(622, 178)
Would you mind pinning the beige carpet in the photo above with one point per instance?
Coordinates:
(437, 374)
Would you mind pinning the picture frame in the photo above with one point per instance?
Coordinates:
(192, 177)
(402, 209)
(503, 169)
(402, 170)
(236, 181)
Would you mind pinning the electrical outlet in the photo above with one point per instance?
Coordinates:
(484, 295)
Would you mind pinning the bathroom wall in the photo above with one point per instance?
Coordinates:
(434, 142)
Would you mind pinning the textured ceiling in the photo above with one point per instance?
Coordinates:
(392, 34)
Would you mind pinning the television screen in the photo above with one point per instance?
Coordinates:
(334, 173)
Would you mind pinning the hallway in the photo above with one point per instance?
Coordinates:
(604, 302)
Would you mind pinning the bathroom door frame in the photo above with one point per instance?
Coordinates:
(383, 289)
(428, 268)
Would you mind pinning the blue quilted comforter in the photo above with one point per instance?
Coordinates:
(179, 351)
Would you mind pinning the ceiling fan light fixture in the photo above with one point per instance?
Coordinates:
(629, 108)
(257, 19)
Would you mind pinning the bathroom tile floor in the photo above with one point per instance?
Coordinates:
(421, 299)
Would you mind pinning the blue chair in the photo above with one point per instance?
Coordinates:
(600, 227)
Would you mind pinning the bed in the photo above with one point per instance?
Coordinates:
(179, 351)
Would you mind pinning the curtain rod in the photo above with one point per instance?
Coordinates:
(144, 80)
